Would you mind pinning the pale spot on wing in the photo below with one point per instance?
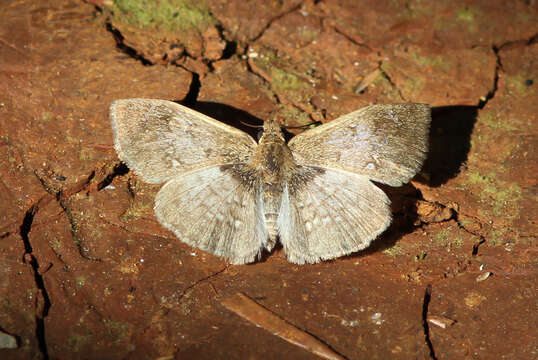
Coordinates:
(392, 116)
(308, 226)
(237, 224)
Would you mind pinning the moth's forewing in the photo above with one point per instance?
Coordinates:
(160, 139)
(386, 143)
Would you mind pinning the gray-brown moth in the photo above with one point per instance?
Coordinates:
(230, 196)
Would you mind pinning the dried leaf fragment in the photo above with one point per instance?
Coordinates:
(253, 312)
(431, 212)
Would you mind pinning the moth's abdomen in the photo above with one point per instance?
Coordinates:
(272, 196)
(270, 221)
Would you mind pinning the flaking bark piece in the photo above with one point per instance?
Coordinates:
(253, 312)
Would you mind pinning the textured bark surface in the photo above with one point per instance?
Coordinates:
(87, 272)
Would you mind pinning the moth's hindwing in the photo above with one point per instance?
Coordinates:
(330, 213)
(216, 211)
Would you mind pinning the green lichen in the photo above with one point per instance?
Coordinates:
(497, 237)
(495, 122)
(292, 116)
(515, 85)
(457, 241)
(170, 15)
(418, 8)
(75, 342)
(56, 244)
(438, 61)
(442, 237)
(393, 250)
(86, 154)
(466, 14)
(80, 280)
(286, 81)
(414, 84)
(307, 35)
(46, 117)
(117, 330)
(267, 57)
(420, 256)
(502, 196)
(135, 210)
(466, 222)
(284, 76)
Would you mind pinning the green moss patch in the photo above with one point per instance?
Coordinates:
(169, 15)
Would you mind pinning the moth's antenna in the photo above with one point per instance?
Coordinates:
(303, 126)
(250, 125)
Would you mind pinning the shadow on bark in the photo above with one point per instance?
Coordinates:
(450, 142)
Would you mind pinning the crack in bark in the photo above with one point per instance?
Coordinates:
(126, 49)
(281, 100)
(260, 76)
(425, 306)
(194, 89)
(522, 42)
(476, 245)
(119, 169)
(200, 281)
(231, 46)
(73, 227)
(350, 38)
(491, 94)
(499, 67)
(88, 184)
(43, 302)
(124, 228)
(388, 78)
(229, 50)
(273, 19)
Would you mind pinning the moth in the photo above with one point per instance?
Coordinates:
(228, 195)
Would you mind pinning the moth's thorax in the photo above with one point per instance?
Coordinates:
(274, 158)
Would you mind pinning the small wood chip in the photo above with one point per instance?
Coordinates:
(483, 276)
(441, 321)
(251, 311)
(367, 80)
(7, 341)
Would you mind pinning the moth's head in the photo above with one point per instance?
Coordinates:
(271, 129)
